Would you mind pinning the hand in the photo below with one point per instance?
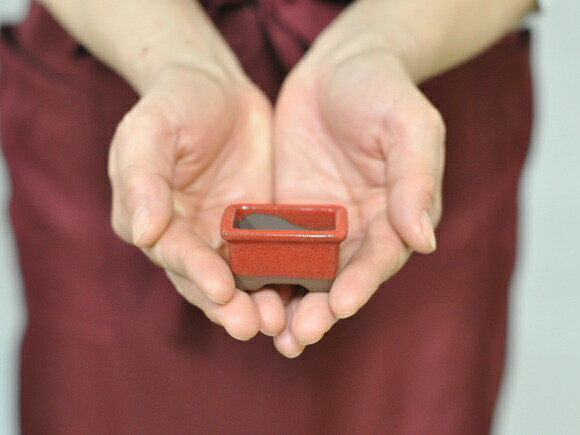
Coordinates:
(196, 142)
(355, 130)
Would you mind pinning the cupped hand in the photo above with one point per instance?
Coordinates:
(357, 131)
(195, 143)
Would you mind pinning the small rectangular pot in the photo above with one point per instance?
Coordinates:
(284, 244)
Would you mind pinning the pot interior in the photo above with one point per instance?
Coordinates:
(304, 221)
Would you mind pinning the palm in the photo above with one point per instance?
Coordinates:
(231, 164)
(318, 164)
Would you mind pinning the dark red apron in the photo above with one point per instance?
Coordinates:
(110, 347)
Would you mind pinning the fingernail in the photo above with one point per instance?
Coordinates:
(141, 221)
(214, 300)
(346, 316)
(294, 355)
(234, 335)
(427, 230)
(311, 342)
(267, 333)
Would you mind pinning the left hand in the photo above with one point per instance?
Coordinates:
(357, 131)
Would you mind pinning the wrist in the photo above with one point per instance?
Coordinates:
(182, 38)
(426, 37)
(140, 39)
(362, 28)
(148, 62)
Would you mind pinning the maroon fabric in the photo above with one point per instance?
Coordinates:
(111, 348)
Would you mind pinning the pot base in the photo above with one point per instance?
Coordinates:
(257, 282)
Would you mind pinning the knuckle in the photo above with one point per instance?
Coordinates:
(119, 227)
(133, 184)
(158, 256)
(118, 220)
(437, 212)
(112, 163)
(435, 121)
(144, 118)
(429, 183)
(190, 293)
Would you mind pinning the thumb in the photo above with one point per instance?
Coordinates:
(140, 168)
(415, 177)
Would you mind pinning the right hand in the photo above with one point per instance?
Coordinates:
(196, 142)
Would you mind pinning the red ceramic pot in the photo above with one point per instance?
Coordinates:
(284, 244)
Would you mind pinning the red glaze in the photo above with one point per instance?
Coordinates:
(307, 253)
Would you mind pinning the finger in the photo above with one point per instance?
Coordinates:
(239, 316)
(140, 170)
(312, 319)
(287, 292)
(415, 172)
(285, 342)
(380, 255)
(271, 310)
(181, 252)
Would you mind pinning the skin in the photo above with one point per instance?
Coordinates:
(350, 127)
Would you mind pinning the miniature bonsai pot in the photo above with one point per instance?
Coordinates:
(284, 244)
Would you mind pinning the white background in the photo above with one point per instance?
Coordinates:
(541, 394)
